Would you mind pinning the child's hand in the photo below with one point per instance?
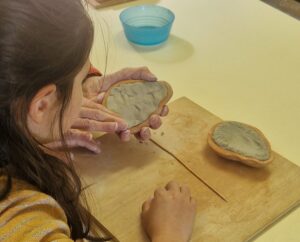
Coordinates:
(93, 117)
(74, 138)
(94, 88)
(170, 214)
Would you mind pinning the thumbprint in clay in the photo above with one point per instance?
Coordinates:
(240, 142)
(136, 100)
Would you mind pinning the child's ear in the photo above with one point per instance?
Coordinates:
(42, 104)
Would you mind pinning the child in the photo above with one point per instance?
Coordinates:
(44, 47)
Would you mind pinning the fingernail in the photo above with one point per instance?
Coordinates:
(164, 111)
(151, 77)
(122, 126)
(126, 135)
(156, 119)
(155, 122)
(97, 150)
(146, 134)
(100, 97)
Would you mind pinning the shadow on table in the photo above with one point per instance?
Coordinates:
(175, 49)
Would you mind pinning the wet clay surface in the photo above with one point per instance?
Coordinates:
(135, 102)
(242, 139)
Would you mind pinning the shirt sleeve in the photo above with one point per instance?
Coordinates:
(29, 215)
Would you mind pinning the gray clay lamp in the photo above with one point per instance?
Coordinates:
(136, 100)
(240, 142)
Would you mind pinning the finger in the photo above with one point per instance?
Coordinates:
(142, 73)
(91, 86)
(98, 115)
(88, 103)
(91, 125)
(165, 110)
(74, 143)
(76, 133)
(144, 134)
(113, 78)
(99, 98)
(79, 138)
(173, 186)
(75, 138)
(147, 204)
(155, 121)
(159, 192)
(125, 135)
(91, 145)
(185, 190)
(83, 139)
(55, 145)
(139, 73)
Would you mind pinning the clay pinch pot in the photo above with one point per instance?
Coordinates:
(136, 100)
(239, 143)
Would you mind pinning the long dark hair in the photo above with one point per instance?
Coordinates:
(41, 42)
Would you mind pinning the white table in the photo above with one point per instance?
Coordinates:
(238, 59)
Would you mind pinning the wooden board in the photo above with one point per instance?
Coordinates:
(126, 174)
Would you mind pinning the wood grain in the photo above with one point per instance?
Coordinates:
(126, 174)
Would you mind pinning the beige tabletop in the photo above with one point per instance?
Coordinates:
(238, 59)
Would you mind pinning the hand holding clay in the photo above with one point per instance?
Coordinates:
(137, 100)
(95, 117)
(95, 89)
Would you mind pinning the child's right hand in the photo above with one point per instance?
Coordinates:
(169, 216)
(95, 87)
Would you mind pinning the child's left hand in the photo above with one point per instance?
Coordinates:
(93, 117)
(94, 88)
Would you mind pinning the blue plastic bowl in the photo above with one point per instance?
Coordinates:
(147, 24)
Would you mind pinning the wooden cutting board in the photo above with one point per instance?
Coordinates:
(235, 202)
